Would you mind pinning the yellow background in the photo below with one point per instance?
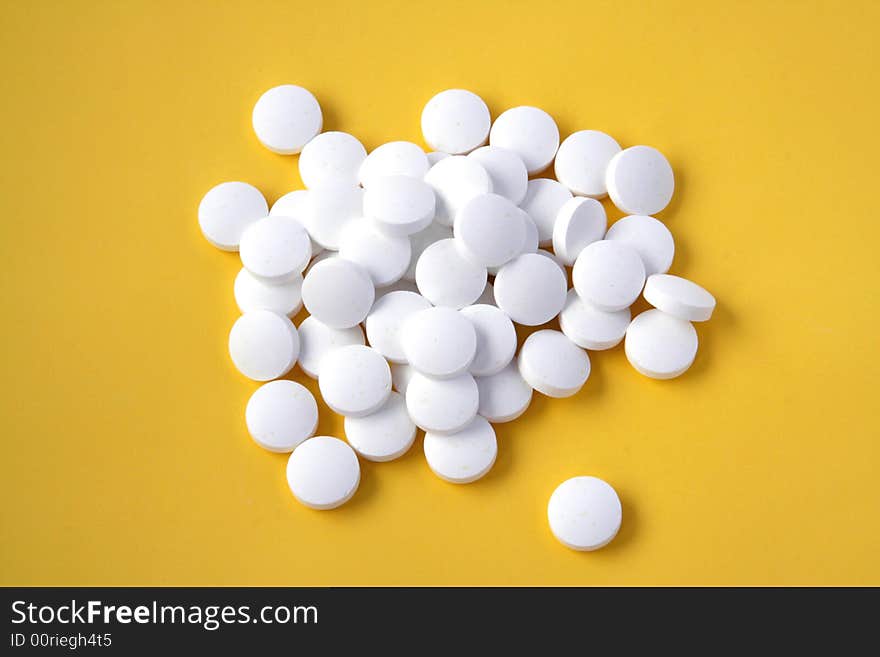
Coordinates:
(125, 458)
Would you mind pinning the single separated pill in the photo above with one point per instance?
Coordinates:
(584, 513)
(659, 345)
(490, 230)
(331, 157)
(496, 339)
(552, 364)
(332, 207)
(579, 222)
(455, 121)
(463, 456)
(530, 289)
(543, 201)
(275, 249)
(252, 293)
(529, 132)
(400, 205)
(263, 345)
(640, 180)
(582, 160)
(504, 396)
(385, 258)
(386, 320)
(649, 237)
(383, 435)
(506, 171)
(323, 473)
(280, 415)
(456, 180)
(338, 293)
(318, 339)
(446, 277)
(396, 158)
(439, 342)
(591, 328)
(608, 274)
(679, 297)
(354, 380)
(227, 209)
(295, 205)
(442, 405)
(421, 241)
(286, 118)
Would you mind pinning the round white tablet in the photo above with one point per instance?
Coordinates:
(400, 205)
(331, 157)
(386, 319)
(332, 207)
(421, 241)
(227, 209)
(435, 156)
(543, 201)
(323, 473)
(579, 222)
(496, 339)
(280, 415)
(396, 158)
(263, 345)
(659, 345)
(532, 241)
(442, 405)
(338, 292)
(610, 275)
(679, 297)
(554, 259)
(504, 396)
(463, 456)
(584, 513)
(295, 205)
(582, 160)
(455, 121)
(275, 249)
(552, 364)
(354, 380)
(529, 132)
(252, 293)
(317, 340)
(400, 376)
(384, 257)
(439, 342)
(447, 278)
(506, 170)
(384, 435)
(286, 118)
(649, 237)
(530, 289)
(456, 180)
(640, 180)
(490, 230)
(591, 328)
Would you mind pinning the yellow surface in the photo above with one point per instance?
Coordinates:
(124, 455)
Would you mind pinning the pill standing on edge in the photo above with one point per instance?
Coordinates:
(455, 121)
(529, 132)
(317, 340)
(383, 435)
(355, 380)
(584, 513)
(331, 157)
(286, 118)
(386, 320)
(504, 396)
(323, 473)
(280, 415)
(582, 160)
(338, 292)
(608, 274)
(263, 345)
(679, 297)
(464, 456)
(640, 180)
(649, 237)
(227, 209)
(579, 222)
(439, 342)
(442, 405)
(552, 364)
(659, 345)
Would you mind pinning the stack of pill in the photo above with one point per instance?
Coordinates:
(415, 266)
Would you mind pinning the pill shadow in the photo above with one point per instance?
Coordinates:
(723, 322)
(629, 527)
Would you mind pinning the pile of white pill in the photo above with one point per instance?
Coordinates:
(414, 267)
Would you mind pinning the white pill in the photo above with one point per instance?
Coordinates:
(384, 435)
(385, 258)
(552, 364)
(504, 396)
(386, 319)
(506, 170)
(659, 345)
(323, 473)
(447, 278)
(553, 258)
(463, 456)
(435, 156)
(318, 339)
(530, 289)
(400, 376)
(455, 121)
(400, 205)
(421, 241)
(263, 345)
(532, 241)
(321, 257)
(331, 157)
(332, 208)
(610, 275)
(496, 339)
(227, 209)
(489, 230)
(584, 513)
(487, 298)
(295, 205)
(649, 237)
(582, 160)
(252, 293)
(529, 132)
(679, 297)
(591, 328)
(442, 405)
(456, 180)
(402, 285)
(579, 222)
(275, 249)
(354, 380)
(286, 118)
(543, 201)
(439, 342)
(338, 292)
(280, 415)
(640, 180)
(396, 158)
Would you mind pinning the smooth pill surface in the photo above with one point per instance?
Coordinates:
(455, 121)
(386, 320)
(396, 158)
(463, 456)
(490, 230)
(531, 289)
(506, 171)
(295, 205)
(584, 513)
(338, 292)
(532, 241)
(679, 297)
(400, 205)
(591, 328)
(552, 364)
(286, 118)
(385, 258)
(331, 157)
(529, 132)
(442, 405)
(227, 209)
(400, 377)
(543, 201)
(504, 396)
(610, 275)
(640, 180)
(318, 339)
(252, 293)
(439, 342)
(446, 277)
(275, 249)
(332, 207)
(649, 237)
(421, 241)
(579, 222)
(354, 380)
(263, 345)
(323, 473)
(383, 435)
(554, 259)
(455, 180)
(496, 339)
(402, 285)
(659, 345)
(435, 156)
(582, 160)
(280, 415)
